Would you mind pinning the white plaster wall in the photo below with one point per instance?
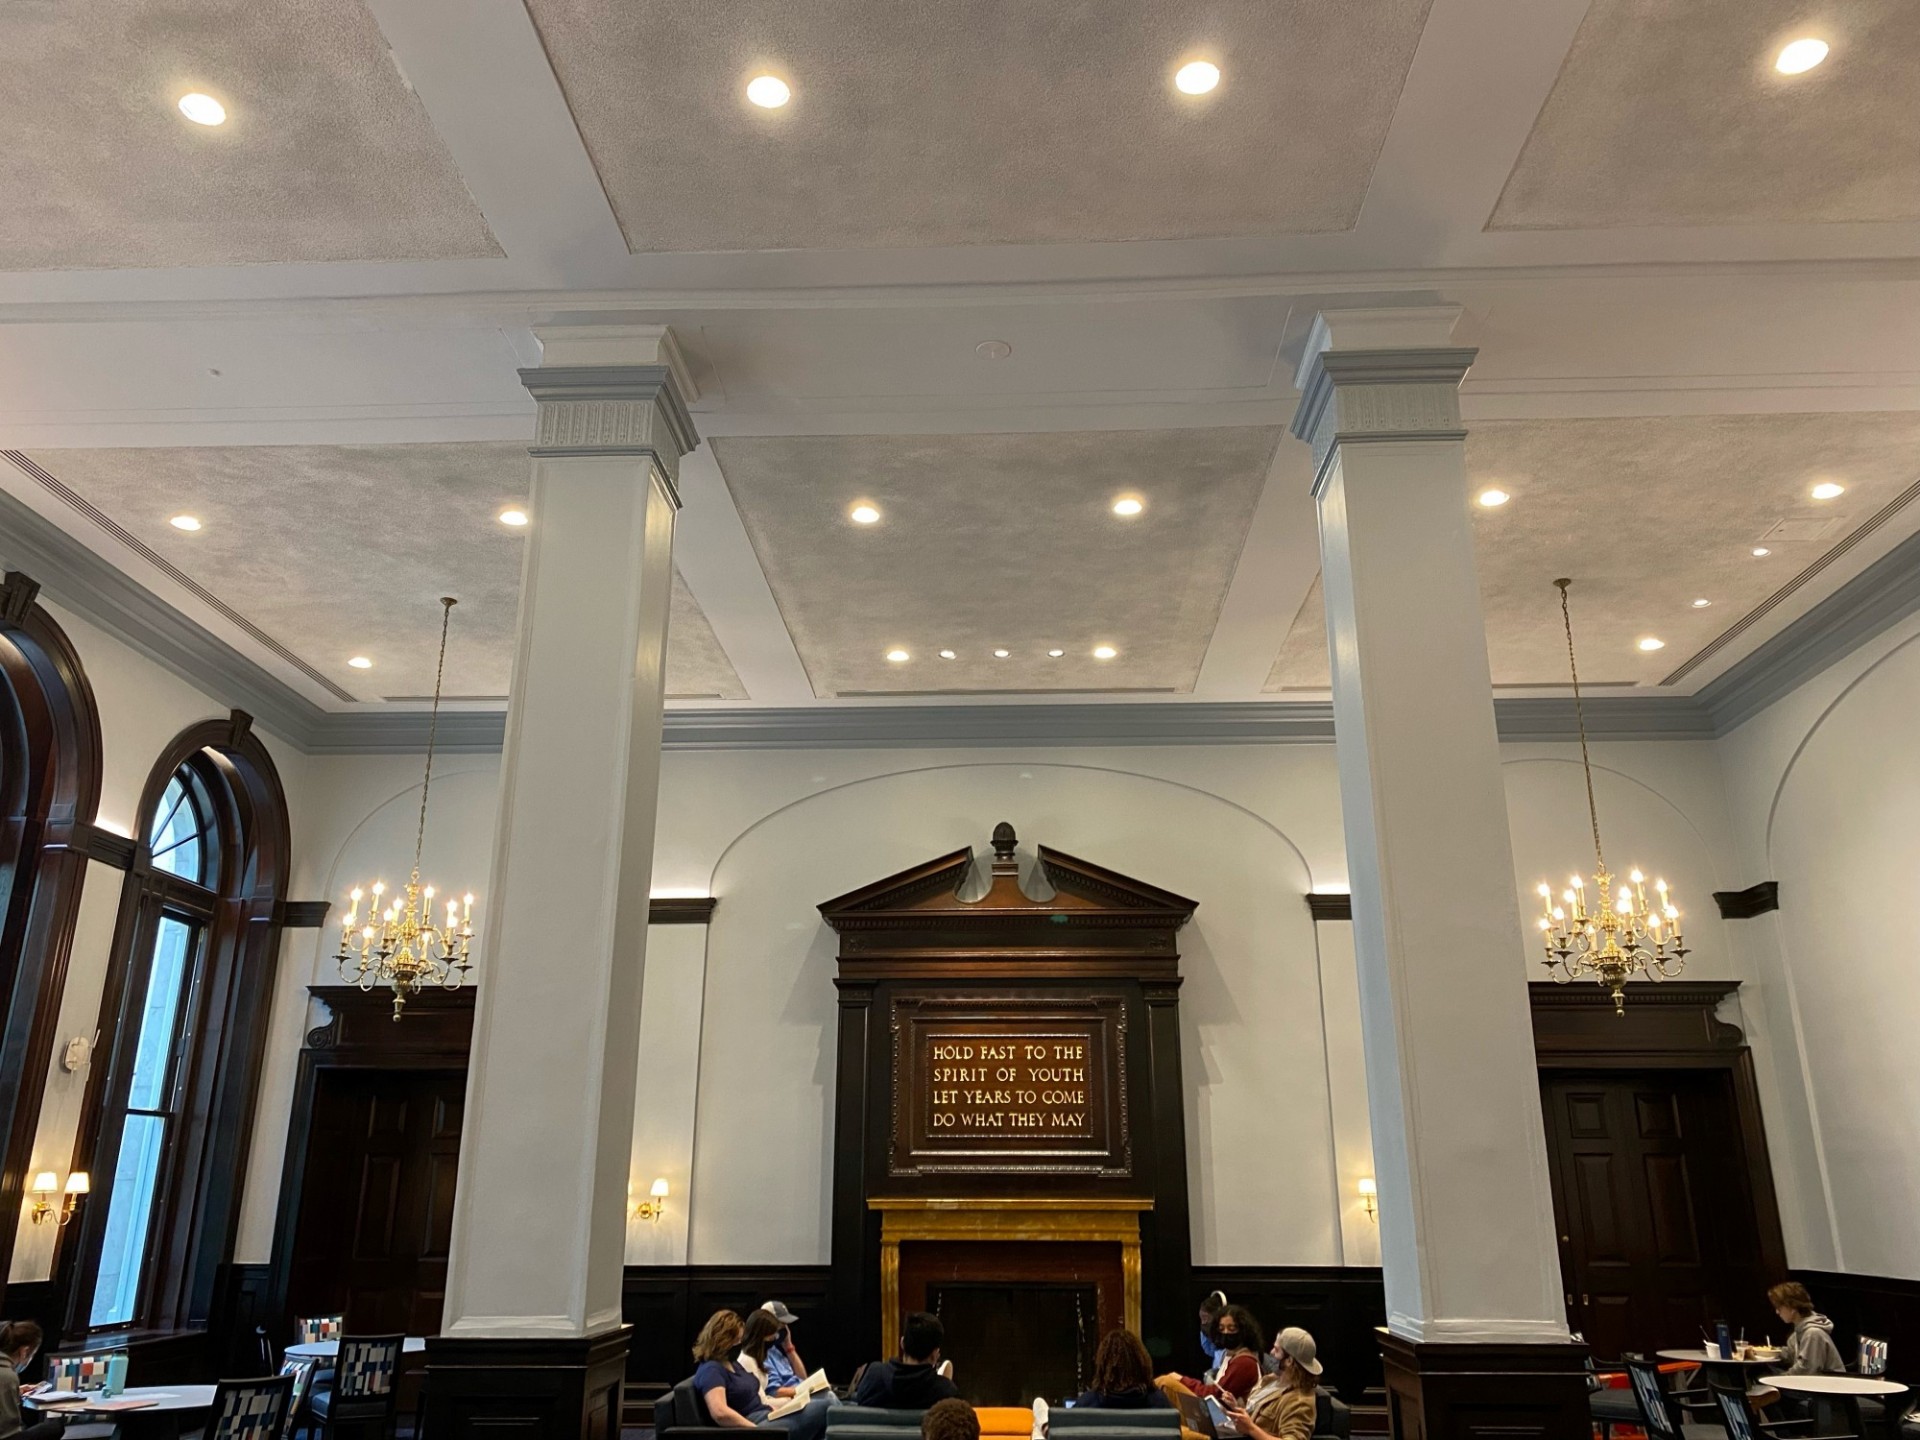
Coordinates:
(142, 706)
(1825, 790)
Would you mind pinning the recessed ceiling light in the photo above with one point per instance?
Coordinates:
(948, 655)
(1493, 497)
(1701, 604)
(1797, 57)
(1104, 652)
(1196, 77)
(203, 109)
(185, 522)
(863, 514)
(769, 92)
(1129, 505)
(1760, 552)
(1001, 654)
(1828, 490)
(898, 656)
(360, 662)
(515, 518)
(1055, 654)
(1651, 643)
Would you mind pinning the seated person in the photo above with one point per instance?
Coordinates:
(732, 1395)
(950, 1420)
(19, 1343)
(1240, 1341)
(1285, 1405)
(1122, 1377)
(913, 1382)
(762, 1331)
(1211, 1309)
(1809, 1349)
(785, 1369)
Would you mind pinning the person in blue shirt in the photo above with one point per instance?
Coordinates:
(1211, 1309)
(730, 1391)
(785, 1369)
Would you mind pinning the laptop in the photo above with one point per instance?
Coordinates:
(1207, 1418)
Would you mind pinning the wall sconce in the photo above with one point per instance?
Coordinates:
(46, 1183)
(1369, 1196)
(654, 1208)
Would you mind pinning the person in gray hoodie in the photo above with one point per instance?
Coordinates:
(1809, 1349)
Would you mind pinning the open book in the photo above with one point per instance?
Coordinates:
(813, 1385)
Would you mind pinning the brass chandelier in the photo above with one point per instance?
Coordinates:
(1627, 934)
(400, 947)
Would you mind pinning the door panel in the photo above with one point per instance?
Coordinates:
(1658, 1236)
(377, 1201)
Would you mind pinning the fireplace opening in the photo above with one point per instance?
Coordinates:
(1013, 1342)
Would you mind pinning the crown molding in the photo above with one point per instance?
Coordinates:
(1883, 594)
(1744, 904)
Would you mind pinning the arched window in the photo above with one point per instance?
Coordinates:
(189, 987)
(49, 788)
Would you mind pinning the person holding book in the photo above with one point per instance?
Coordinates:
(785, 1369)
(19, 1343)
(918, 1379)
(732, 1394)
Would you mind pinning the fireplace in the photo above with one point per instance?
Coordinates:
(1025, 1287)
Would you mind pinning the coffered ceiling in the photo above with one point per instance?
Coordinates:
(988, 269)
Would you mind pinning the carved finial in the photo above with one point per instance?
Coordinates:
(17, 594)
(1003, 841)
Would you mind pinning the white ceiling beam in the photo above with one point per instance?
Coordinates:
(481, 71)
(717, 560)
(1276, 570)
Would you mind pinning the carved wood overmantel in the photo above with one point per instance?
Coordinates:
(1010, 1061)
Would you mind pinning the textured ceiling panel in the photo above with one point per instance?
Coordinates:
(1672, 114)
(1000, 541)
(326, 154)
(1646, 516)
(957, 122)
(337, 551)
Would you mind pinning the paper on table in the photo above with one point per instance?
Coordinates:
(122, 1404)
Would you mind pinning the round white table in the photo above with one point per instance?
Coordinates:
(1822, 1391)
(1704, 1357)
(159, 1419)
(328, 1349)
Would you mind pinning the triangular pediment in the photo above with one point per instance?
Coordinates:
(933, 891)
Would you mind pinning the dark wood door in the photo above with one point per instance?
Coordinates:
(1659, 1235)
(376, 1212)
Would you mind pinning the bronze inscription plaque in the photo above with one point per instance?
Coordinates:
(1009, 1085)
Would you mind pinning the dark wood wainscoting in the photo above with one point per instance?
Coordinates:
(1887, 1309)
(667, 1304)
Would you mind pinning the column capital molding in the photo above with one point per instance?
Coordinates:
(1369, 396)
(609, 410)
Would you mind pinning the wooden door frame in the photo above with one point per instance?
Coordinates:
(1667, 1026)
(359, 1036)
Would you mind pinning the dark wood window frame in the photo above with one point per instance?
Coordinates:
(196, 1208)
(49, 793)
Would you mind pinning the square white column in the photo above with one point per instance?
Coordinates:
(1466, 1213)
(540, 1215)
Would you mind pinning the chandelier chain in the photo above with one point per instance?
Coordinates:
(1580, 720)
(447, 602)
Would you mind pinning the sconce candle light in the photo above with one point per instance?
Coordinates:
(1369, 1196)
(47, 1184)
(654, 1208)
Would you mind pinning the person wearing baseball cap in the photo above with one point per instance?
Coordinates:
(784, 1366)
(1284, 1405)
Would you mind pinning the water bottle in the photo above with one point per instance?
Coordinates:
(116, 1380)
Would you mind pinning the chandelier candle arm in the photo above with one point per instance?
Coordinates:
(400, 948)
(1625, 936)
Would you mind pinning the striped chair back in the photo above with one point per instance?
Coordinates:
(77, 1372)
(301, 1368)
(321, 1327)
(367, 1367)
(251, 1409)
(1873, 1356)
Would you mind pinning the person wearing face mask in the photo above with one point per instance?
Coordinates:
(1238, 1337)
(1285, 1405)
(19, 1343)
(1211, 1309)
(785, 1368)
(732, 1393)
